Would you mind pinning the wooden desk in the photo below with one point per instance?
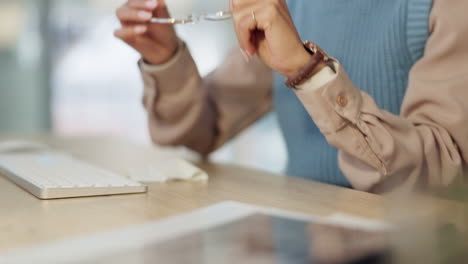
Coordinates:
(26, 220)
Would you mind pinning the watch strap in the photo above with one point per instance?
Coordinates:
(318, 57)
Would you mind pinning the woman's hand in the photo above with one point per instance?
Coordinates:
(157, 43)
(265, 28)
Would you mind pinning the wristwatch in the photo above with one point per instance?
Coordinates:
(318, 56)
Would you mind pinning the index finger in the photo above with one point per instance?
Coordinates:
(148, 5)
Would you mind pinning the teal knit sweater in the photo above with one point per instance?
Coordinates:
(377, 42)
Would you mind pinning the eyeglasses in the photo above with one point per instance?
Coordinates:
(193, 19)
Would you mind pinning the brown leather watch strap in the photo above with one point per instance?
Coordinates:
(318, 56)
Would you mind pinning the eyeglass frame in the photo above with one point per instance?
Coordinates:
(193, 19)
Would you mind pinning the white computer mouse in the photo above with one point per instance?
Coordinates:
(14, 146)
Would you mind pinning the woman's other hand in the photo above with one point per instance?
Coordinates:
(157, 43)
(265, 28)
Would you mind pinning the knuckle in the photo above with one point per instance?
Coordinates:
(137, 2)
(278, 3)
(236, 4)
(120, 12)
(272, 11)
(133, 3)
(237, 19)
(119, 34)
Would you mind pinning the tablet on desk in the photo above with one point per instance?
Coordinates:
(225, 233)
(262, 239)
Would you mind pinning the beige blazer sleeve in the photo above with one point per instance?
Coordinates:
(203, 113)
(427, 144)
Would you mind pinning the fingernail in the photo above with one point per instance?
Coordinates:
(246, 55)
(140, 29)
(144, 15)
(151, 4)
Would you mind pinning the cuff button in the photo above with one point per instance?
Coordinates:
(341, 100)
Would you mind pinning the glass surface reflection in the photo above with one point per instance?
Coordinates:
(264, 239)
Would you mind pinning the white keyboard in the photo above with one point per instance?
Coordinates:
(51, 175)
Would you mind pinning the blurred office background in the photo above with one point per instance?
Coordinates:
(62, 71)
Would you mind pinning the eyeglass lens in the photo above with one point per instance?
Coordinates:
(218, 16)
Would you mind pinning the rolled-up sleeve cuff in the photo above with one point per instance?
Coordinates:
(172, 75)
(333, 105)
(321, 78)
(336, 108)
(153, 69)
